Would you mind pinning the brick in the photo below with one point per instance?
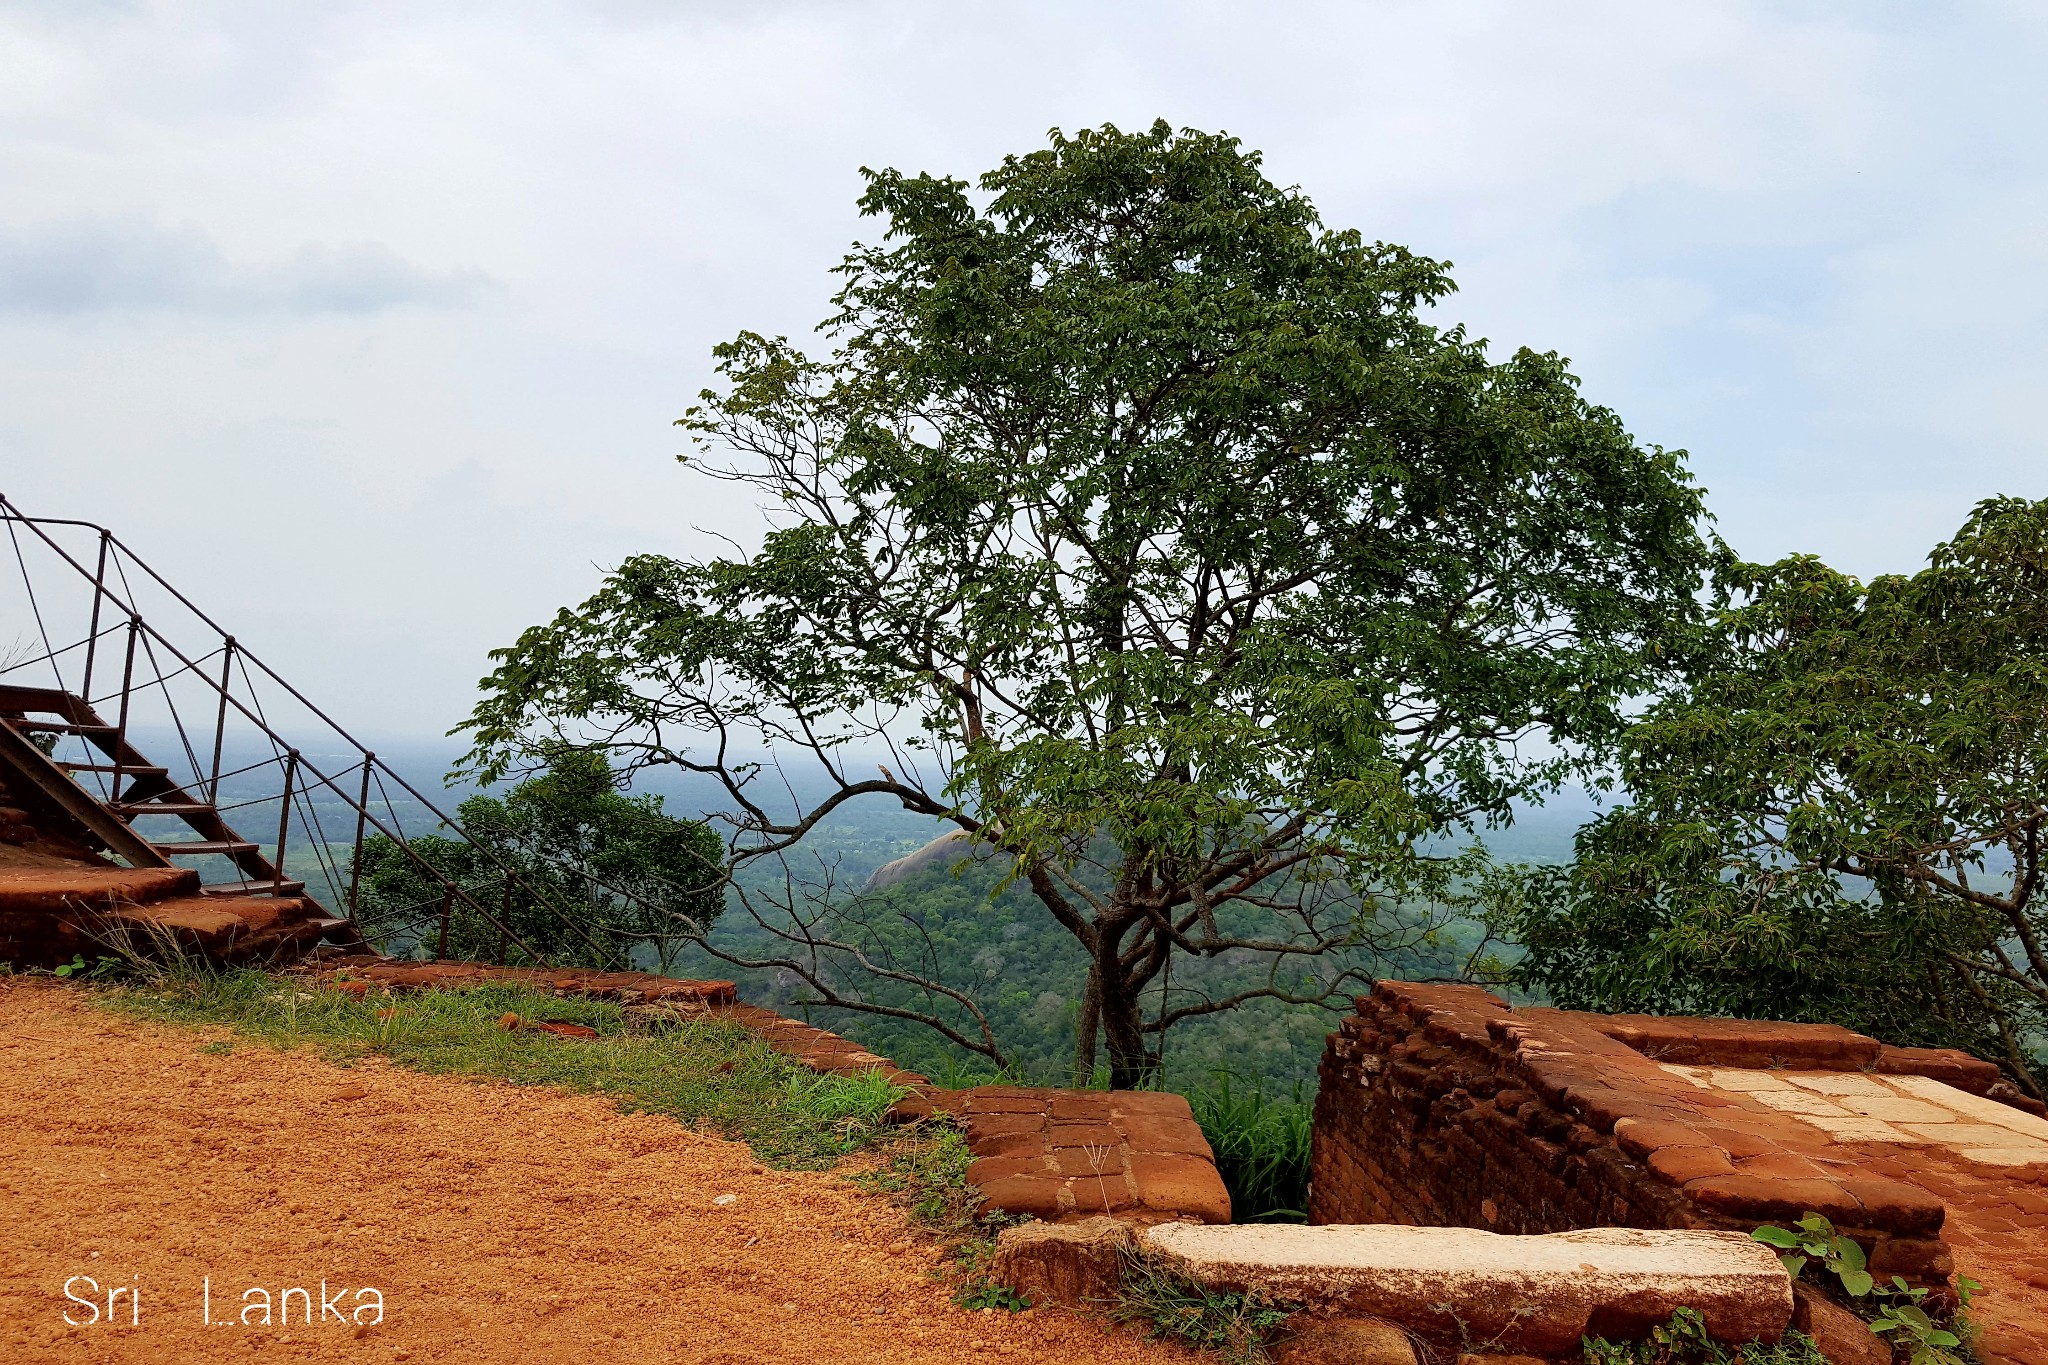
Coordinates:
(1640, 1137)
(1181, 1184)
(1896, 1207)
(1085, 1106)
(1681, 1164)
(981, 1103)
(1765, 1200)
(988, 1170)
(1088, 1161)
(1164, 1135)
(1035, 1195)
(1081, 1135)
(978, 1126)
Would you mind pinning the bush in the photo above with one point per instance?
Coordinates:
(1261, 1145)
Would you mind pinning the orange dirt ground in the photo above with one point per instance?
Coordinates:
(500, 1224)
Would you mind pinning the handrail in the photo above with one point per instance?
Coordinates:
(233, 650)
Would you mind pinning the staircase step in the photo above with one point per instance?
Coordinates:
(205, 846)
(130, 769)
(51, 889)
(236, 890)
(64, 727)
(128, 810)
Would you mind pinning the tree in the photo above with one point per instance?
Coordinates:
(1838, 817)
(1145, 532)
(575, 870)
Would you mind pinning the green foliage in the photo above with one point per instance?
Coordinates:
(1896, 1311)
(101, 968)
(1237, 1325)
(1684, 1341)
(596, 873)
(998, 947)
(986, 1293)
(1171, 552)
(1814, 1238)
(1261, 1146)
(850, 1105)
(706, 1073)
(1839, 815)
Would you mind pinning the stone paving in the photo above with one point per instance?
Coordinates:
(1065, 1155)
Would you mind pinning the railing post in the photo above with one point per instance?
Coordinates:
(447, 908)
(92, 640)
(355, 866)
(504, 917)
(127, 686)
(284, 819)
(220, 717)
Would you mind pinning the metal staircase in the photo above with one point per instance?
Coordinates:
(130, 659)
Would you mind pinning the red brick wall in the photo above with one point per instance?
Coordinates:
(1441, 1106)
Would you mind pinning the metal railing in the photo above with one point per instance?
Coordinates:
(184, 682)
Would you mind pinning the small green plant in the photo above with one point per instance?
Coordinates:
(1169, 1305)
(1905, 1322)
(219, 1047)
(1684, 1341)
(1896, 1311)
(981, 1292)
(101, 968)
(1813, 1238)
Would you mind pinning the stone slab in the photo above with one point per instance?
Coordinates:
(1537, 1294)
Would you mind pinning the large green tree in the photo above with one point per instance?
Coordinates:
(568, 867)
(1151, 534)
(1839, 815)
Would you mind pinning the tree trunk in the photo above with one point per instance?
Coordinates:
(1130, 1065)
(1084, 1031)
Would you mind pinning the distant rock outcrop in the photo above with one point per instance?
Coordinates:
(943, 851)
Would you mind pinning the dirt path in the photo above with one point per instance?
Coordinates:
(499, 1224)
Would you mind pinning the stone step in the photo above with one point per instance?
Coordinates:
(54, 889)
(233, 930)
(1535, 1294)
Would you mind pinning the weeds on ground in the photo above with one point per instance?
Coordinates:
(924, 1172)
(1261, 1145)
(1237, 1326)
(708, 1074)
(1895, 1311)
(1684, 1341)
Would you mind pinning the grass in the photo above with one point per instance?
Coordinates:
(708, 1074)
(925, 1173)
(1239, 1327)
(1261, 1145)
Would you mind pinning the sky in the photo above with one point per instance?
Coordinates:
(367, 324)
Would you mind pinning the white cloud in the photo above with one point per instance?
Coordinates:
(102, 265)
(1802, 241)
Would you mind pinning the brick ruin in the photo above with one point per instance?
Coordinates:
(1440, 1105)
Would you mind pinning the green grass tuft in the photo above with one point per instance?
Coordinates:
(1239, 1327)
(1261, 1145)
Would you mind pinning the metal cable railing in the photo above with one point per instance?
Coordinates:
(360, 789)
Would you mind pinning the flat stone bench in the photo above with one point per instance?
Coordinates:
(1536, 1294)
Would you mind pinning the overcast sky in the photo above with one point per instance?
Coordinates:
(367, 323)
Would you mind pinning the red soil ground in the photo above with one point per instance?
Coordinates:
(500, 1224)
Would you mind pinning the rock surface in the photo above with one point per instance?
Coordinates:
(1345, 1341)
(1843, 1338)
(1535, 1294)
(1065, 1263)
